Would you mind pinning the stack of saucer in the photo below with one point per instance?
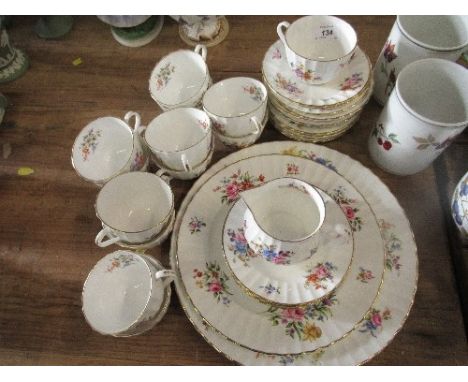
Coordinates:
(305, 109)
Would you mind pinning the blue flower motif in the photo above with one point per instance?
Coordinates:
(456, 213)
(464, 189)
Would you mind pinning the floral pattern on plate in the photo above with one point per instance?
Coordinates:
(239, 247)
(236, 183)
(299, 322)
(373, 322)
(294, 151)
(347, 205)
(272, 255)
(392, 245)
(292, 169)
(196, 224)
(365, 275)
(287, 85)
(120, 261)
(213, 280)
(89, 143)
(353, 82)
(269, 289)
(319, 275)
(306, 75)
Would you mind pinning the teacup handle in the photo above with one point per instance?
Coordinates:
(168, 274)
(279, 30)
(202, 48)
(162, 174)
(255, 124)
(105, 232)
(129, 116)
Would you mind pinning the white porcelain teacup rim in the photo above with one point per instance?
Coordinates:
(105, 180)
(173, 111)
(246, 114)
(318, 59)
(322, 218)
(205, 78)
(435, 61)
(150, 292)
(429, 46)
(138, 173)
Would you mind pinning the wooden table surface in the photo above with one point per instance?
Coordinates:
(48, 224)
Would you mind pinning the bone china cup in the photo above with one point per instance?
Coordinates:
(180, 139)
(284, 214)
(180, 78)
(134, 208)
(124, 294)
(317, 47)
(236, 106)
(107, 147)
(417, 37)
(426, 111)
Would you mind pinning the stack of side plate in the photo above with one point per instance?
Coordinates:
(315, 113)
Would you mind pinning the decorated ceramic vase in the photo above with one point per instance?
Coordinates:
(460, 206)
(416, 37)
(13, 62)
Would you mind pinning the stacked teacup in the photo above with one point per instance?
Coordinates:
(318, 78)
(125, 294)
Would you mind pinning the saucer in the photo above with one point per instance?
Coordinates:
(215, 40)
(289, 84)
(278, 281)
(139, 35)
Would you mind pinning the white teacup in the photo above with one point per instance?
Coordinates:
(417, 37)
(125, 293)
(242, 141)
(194, 172)
(426, 111)
(134, 208)
(236, 106)
(317, 46)
(180, 79)
(283, 216)
(180, 139)
(108, 147)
